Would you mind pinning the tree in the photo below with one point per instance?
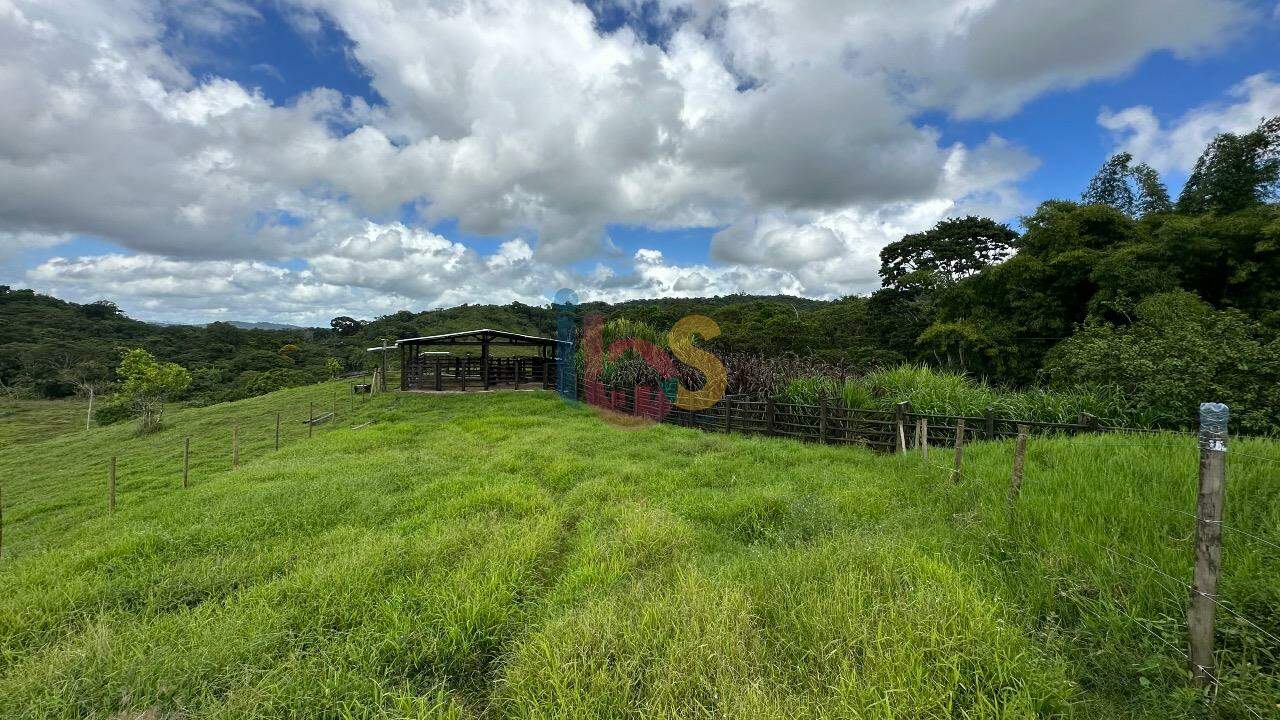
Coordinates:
(955, 248)
(146, 384)
(1134, 190)
(1179, 352)
(332, 367)
(1235, 172)
(344, 325)
(88, 377)
(100, 310)
(1153, 196)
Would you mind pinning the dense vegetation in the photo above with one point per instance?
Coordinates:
(507, 556)
(1126, 294)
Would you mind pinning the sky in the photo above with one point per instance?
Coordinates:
(296, 160)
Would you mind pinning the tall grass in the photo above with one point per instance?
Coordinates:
(943, 393)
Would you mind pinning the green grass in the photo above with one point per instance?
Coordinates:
(28, 421)
(507, 556)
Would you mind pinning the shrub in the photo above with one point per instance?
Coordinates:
(146, 384)
(113, 410)
(1178, 353)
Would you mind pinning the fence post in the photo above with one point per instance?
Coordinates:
(990, 432)
(311, 418)
(924, 437)
(278, 427)
(1209, 501)
(768, 414)
(822, 418)
(186, 460)
(900, 419)
(439, 386)
(959, 460)
(1019, 459)
(111, 487)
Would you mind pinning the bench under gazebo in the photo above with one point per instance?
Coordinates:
(428, 365)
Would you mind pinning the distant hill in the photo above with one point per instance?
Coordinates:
(261, 325)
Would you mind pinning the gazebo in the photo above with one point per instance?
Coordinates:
(424, 369)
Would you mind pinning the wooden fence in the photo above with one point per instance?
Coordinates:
(826, 422)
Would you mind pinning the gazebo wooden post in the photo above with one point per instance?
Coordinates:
(404, 367)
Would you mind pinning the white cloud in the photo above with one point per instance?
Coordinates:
(1177, 146)
(790, 122)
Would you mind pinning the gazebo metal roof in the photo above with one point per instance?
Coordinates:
(480, 337)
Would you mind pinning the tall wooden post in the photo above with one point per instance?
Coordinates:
(439, 386)
(1019, 460)
(278, 427)
(235, 446)
(924, 437)
(959, 459)
(728, 415)
(382, 379)
(186, 460)
(484, 363)
(311, 419)
(900, 420)
(1208, 547)
(990, 431)
(111, 487)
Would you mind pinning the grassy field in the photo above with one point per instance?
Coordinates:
(508, 556)
(28, 421)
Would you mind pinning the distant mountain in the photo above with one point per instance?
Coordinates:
(263, 325)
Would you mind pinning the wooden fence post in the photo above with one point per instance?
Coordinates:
(278, 427)
(1019, 460)
(1208, 547)
(311, 418)
(959, 460)
(111, 487)
(990, 432)
(924, 437)
(822, 418)
(235, 446)
(900, 419)
(728, 416)
(186, 460)
(768, 414)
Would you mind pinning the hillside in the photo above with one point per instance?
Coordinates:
(504, 555)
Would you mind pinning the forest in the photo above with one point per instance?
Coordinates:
(1126, 292)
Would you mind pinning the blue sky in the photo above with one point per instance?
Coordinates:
(465, 152)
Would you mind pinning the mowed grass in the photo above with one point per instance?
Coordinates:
(508, 556)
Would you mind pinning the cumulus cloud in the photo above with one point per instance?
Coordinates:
(1178, 145)
(790, 123)
(380, 269)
